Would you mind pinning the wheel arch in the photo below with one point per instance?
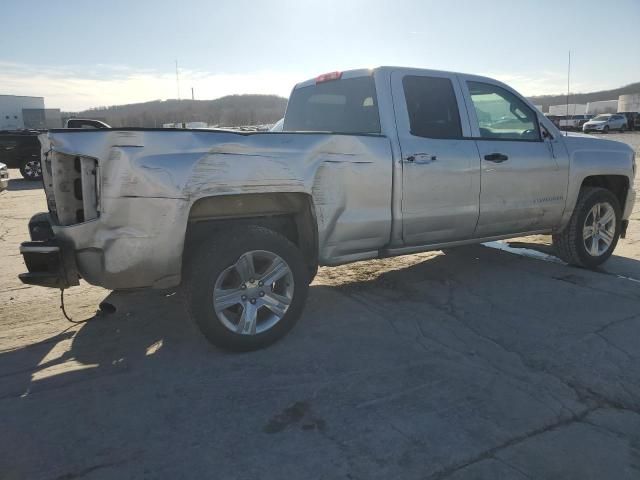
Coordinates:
(290, 214)
(616, 184)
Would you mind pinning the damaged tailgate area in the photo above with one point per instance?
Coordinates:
(71, 187)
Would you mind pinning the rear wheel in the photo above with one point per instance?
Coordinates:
(623, 128)
(31, 169)
(592, 233)
(247, 288)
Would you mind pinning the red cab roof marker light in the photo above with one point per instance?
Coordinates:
(327, 77)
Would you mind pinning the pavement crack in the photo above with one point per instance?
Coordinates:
(493, 451)
(613, 345)
(616, 322)
(92, 468)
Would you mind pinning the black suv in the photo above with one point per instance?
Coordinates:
(21, 149)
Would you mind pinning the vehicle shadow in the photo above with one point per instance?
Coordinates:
(16, 184)
(134, 337)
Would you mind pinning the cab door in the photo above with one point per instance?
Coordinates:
(440, 162)
(524, 176)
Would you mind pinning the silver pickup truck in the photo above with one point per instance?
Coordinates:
(370, 164)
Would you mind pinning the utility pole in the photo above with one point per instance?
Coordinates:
(177, 80)
(192, 96)
(568, 80)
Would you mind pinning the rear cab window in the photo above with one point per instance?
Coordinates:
(347, 105)
(432, 107)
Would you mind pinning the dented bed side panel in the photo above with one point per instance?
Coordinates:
(150, 179)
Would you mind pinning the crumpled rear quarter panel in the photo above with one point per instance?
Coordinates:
(151, 178)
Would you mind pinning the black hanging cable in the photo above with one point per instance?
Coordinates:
(64, 312)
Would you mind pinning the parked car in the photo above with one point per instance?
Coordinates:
(566, 122)
(633, 120)
(555, 119)
(85, 123)
(21, 149)
(572, 122)
(580, 120)
(605, 123)
(370, 164)
(4, 177)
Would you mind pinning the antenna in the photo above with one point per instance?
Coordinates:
(177, 80)
(568, 84)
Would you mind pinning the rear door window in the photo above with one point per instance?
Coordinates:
(338, 106)
(432, 106)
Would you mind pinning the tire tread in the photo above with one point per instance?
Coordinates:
(564, 241)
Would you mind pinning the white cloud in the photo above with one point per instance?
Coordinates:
(74, 88)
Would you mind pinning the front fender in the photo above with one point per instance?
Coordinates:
(590, 157)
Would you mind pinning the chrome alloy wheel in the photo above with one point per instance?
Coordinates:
(32, 169)
(253, 294)
(599, 229)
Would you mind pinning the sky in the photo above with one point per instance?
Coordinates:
(82, 54)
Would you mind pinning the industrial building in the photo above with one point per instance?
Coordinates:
(603, 106)
(571, 109)
(629, 103)
(12, 111)
(17, 112)
(625, 103)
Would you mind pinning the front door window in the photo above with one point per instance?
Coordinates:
(502, 115)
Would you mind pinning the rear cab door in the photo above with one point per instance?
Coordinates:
(440, 166)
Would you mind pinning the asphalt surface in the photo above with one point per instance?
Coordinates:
(474, 364)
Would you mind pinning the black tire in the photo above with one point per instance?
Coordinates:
(31, 169)
(623, 128)
(605, 129)
(214, 257)
(569, 243)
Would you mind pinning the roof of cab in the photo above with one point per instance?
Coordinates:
(362, 72)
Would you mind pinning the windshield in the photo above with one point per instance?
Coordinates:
(601, 118)
(340, 106)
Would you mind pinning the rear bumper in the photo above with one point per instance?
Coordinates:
(49, 261)
(136, 243)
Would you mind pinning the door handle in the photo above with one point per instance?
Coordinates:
(421, 158)
(496, 157)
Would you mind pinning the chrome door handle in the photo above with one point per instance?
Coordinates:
(496, 157)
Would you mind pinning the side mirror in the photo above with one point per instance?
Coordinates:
(545, 133)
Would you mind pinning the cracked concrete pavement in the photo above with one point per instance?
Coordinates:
(474, 364)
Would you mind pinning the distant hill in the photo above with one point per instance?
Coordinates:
(232, 110)
(235, 110)
(561, 99)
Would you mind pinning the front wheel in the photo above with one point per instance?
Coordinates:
(605, 129)
(593, 230)
(31, 169)
(246, 288)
